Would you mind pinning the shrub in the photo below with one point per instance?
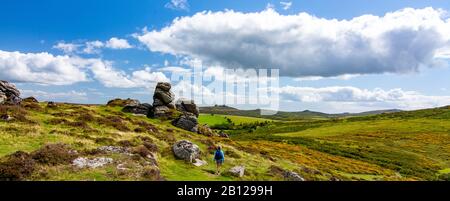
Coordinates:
(152, 174)
(142, 151)
(31, 106)
(151, 146)
(56, 121)
(126, 143)
(86, 117)
(18, 166)
(114, 121)
(105, 141)
(444, 177)
(54, 154)
(80, 124)
(18, 113)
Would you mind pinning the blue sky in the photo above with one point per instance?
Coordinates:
(350, 64)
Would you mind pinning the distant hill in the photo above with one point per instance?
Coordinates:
(283, 115)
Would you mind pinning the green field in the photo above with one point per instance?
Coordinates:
(217, 119)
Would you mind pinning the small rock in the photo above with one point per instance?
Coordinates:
(51, 104)
(82, 162)
(114, 149)
(122, 167)
(199, 162)
(186, 150)
(333, 178)
(237, 171)
(292, 176)
(6, 117)
(205, 130)
(223, 134)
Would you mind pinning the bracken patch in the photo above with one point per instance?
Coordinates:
(54, 154)
(17, 166)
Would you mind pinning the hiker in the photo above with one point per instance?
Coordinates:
(219, 157)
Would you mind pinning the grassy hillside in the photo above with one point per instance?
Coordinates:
(286, 116)
(398, 146)
(414, 144)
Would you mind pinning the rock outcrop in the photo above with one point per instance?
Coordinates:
(123, 102)
(163, 101)
(9, 94)
(144, 109)
(30, 100)
(237, 171)
(187, 106)
(187, 122)
(186, 150)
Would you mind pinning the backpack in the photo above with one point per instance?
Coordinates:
(218, 155)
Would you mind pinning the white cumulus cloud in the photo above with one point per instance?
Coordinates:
(43, 68)
(67, 48)
(49, 69)
(286, 5)
(387, 99)
(305, 45)
(117, 43)
(69, 96)
(178, 5)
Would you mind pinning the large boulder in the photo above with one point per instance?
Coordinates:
(187, 122)
(9, 94)
(163, 93)
(163, 101)
(123, 102)
(138, 109)
(186, 150)
(185, 105)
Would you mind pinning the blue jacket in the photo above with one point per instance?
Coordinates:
(219, 155)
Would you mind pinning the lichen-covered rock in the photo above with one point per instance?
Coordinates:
(138, 109)
(185, 105)
(199, 163)
(123, 102)
(163, 93)
(52, 104)
(9, 94)
(83, 162)
(237, 171)
(3, 98)
(187, 122)
(114, 149)
(186, 150)
(205, 130)
(292, 176)
(163, 101)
